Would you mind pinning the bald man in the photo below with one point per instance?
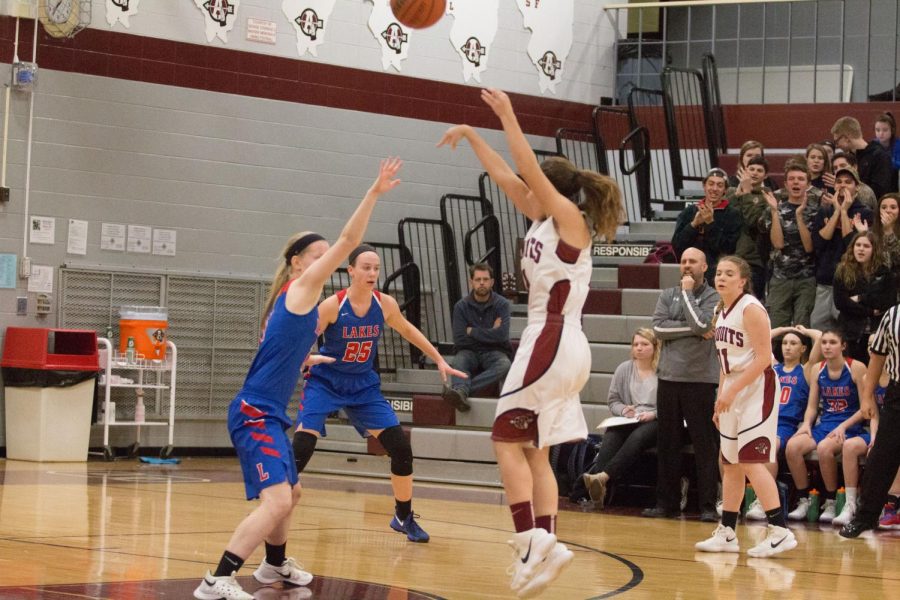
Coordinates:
(688, 374)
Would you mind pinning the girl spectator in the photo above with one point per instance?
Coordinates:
(886, 135)
(887, 230)
(632, 393)
(749, 149)
(817, 163)
(863, 290)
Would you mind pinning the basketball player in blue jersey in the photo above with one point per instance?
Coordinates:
(352, 321)
(257, 417)
(834, 389)
(540, 405)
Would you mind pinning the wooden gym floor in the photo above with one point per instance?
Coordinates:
(125, 530)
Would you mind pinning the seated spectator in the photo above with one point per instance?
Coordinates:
(632, 393)
(749, 150)
(839, 218)
(792, 287)
(843, 160)
(481, 338)
(887, 229)
(817, 163)
(886, 135)
(873, 161)
(854, 448)
(711, 225)
(749, 200)
(833, 389)
(864, 289)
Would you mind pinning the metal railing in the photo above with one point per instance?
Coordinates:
(463, 214)
(582, 148)
(513, 226)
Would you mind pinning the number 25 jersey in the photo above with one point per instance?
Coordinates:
(352, 341)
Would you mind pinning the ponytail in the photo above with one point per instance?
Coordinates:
(602, 203)
(282, 274)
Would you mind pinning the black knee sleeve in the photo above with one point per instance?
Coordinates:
(304, 445)
(398, 448)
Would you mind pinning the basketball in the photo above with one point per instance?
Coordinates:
(419, 14)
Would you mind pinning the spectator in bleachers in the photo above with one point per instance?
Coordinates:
(839, 218)
(829, 148)
(748, 199)
(749, 150)
(632, 394)
(688, 373)
(835, 386)
(792, 287)
(887, 229)
(818, 163)
(873, 161)
(864, 288)
(886, 135)
(842, 160)
(712, 225)
(481, 338)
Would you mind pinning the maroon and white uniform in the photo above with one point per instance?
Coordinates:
(748, 429)
(553, 361)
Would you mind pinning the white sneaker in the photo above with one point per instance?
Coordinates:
(755, 511)
(290, 572)
(530, 548)
(777, 540)
(827, 515)
(719, 504)
(723, 539)
(799, 513)
(547, 571)
(847, 514)
(225, 587)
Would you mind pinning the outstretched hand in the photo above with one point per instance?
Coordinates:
(446, 370)
(386, 181)
(453, 135)
(498, 101)
(317, 359)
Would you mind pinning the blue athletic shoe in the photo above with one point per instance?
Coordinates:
(413, 532)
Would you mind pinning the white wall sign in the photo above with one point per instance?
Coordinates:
(310, 19)
(78, 231)
(551, 24)
(112, 237)
(219, 16)
(393, 37)
(42, 230)
(139, 239)
(260, 30)
(41, 279)
(120, 11)
(164, 242)
(473, 31)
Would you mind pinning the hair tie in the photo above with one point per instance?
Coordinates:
(359, 250)
(301, 245)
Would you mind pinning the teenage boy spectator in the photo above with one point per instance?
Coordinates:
(748, 199)
(792, 287)
(711, 225)
(481, 337)
(873, 161)
(842, 160)
(832, 230)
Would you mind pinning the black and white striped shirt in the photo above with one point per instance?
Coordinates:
(887, 342)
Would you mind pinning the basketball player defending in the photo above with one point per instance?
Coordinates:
(539, 405)
(352, 321)
(746, 411)
(257, 417)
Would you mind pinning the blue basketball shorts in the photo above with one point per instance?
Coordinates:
(263, 448)
(364, 404)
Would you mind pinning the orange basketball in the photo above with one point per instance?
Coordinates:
(419, 14)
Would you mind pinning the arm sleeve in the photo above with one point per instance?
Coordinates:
(685, 235)
(665, 327)
(617, 394)
(699, 311)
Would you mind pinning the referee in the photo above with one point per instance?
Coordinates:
(884, 457)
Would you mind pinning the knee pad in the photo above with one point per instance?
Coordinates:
(398, 448)
(304, 445)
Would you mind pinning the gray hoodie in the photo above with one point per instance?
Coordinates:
(680, 320)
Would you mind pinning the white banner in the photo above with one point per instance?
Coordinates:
(219, 16)
(310, 19)
(551, 25)
(473, 31)
(119, 11)
(392, 36)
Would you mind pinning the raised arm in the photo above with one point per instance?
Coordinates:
(304, 292)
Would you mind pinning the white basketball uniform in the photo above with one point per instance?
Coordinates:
(748, 428)
(553, 361)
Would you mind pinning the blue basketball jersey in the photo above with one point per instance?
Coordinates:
(794, 395)
(838, 398)
(286, 341)
(352, 340)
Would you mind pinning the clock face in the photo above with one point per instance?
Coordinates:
(59, 11)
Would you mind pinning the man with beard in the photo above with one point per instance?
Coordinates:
(481, 337)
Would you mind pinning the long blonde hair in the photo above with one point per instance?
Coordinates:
(601, 197)
(282, 273)
(650, 336)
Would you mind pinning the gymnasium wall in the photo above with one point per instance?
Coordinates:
(237, 147)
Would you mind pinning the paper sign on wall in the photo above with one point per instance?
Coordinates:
(78, 231)
(42, 230)
(219, 16)
(139, 239)
(260, 30)
(310, 19)
(473, 31)
(112, 237)
(8, 271)
(551, 37)
(119, 11)
(393, 37)
(164, 242)
(41, 279)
